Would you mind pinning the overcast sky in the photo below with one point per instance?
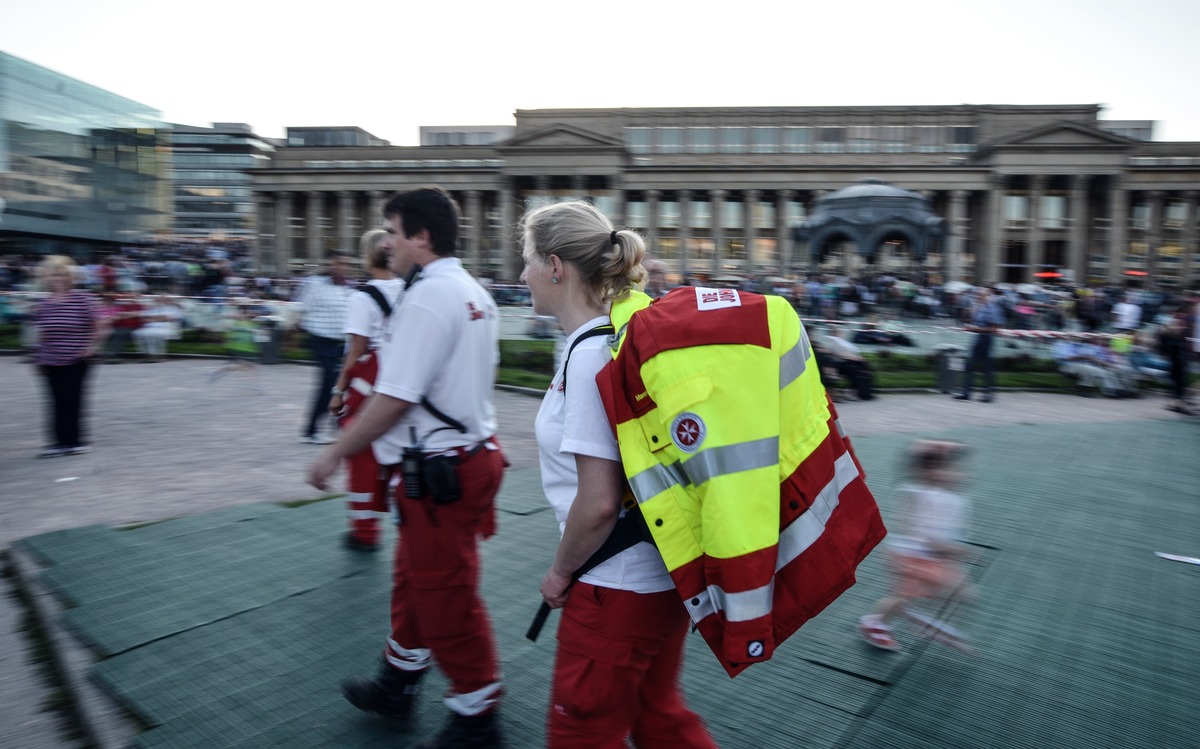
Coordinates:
(390, 67)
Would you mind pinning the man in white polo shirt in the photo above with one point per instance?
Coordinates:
(433, 398)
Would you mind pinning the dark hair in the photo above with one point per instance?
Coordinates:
(431, 209)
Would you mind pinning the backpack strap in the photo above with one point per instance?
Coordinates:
(374, 292)
(598, 330)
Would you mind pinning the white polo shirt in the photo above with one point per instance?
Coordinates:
(363, 315)
(572, 422)
(442, 343)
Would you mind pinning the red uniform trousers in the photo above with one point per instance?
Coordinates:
(366, 496)
(616, 673)
(436, 606)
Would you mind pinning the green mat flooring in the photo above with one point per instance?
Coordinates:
(233, 628)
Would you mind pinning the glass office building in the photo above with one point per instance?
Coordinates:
(82, 170)
(212, 196)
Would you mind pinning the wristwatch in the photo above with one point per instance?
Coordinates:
(337, 391)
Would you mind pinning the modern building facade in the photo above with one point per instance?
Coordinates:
(212, 196)
(1023, 189)
(82, 170)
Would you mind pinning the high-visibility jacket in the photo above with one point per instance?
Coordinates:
(733, 450)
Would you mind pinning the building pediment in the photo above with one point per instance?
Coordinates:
(1058, 135)
(561, 136)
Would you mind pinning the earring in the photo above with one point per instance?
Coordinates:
(553, 279)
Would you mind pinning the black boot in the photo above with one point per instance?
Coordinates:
(391, 694)
(467, 732)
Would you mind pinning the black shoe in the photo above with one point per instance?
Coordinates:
(354, 544)
(467, 732)
(962, 397)
(391, 694)
(987, 399)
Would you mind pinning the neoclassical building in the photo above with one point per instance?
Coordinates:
(1023, 190)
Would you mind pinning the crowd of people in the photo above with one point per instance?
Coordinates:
(407, 364)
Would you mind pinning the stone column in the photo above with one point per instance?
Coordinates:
(283, 233)
(1077, 242)
(617, 192)
(652, 197)
(987, 257)
(541, 184)
(1154, 235)
(1190, 249)
(1118, 229)
(750, 200)
(783, 239)
(264, 243)
(1036, 255)
(313, 227)
(374, 210)
(345, 233)
(685, 231)
(956, 240)
(579, 187)
(716, 199)
(510, 261)
(472, 243)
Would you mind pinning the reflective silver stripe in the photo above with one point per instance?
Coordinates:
(791, 365)
(807, 528)
(738, 607)
(361, 386)
(713, 462)
(474, 703)
(841, 431)
(656, 480)
(726, 459)
(795, 539)
(405, 659)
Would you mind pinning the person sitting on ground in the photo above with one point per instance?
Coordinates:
(1094, 366)
(124, 317)
(160, 323)
(838, 357)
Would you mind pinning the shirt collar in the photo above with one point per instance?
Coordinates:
(441, 266)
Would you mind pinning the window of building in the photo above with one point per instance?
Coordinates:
(638, 139)
(862, 139)
(766, 140)
(636, 214)
(1054, 212)
(1015, 210)
(893, 139)
(670, 140)
(731, 215)
(1139, 217)
(668, 214)
(702, 140)
(701, 217)
(927, 138)
(1175, 214)
(962, 138)
(733, 139)
(831, 139)
(797, 139)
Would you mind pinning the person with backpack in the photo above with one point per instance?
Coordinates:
(431, 419)
(620, 642)
(366, 314)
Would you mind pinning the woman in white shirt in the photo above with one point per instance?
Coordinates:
(620, 642)
(365, 318)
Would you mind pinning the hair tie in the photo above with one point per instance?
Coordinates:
(612, 237)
